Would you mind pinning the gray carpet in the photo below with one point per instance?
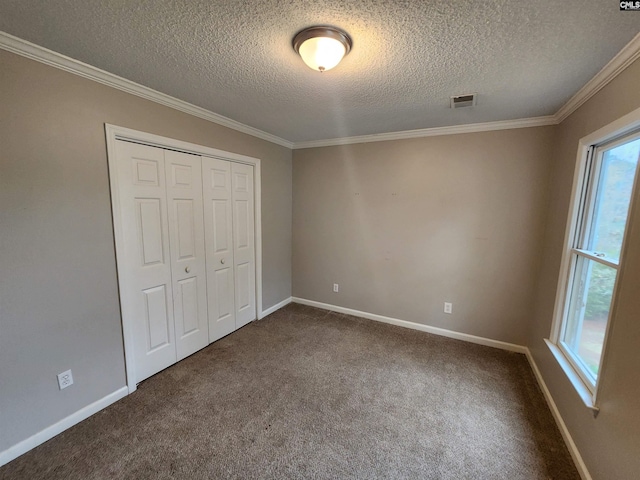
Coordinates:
(307, 393)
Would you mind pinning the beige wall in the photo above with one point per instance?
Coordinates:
(610, 443)
(475, 219)
(406, 225)
(58, 288)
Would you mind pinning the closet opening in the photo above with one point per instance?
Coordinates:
(187, 229)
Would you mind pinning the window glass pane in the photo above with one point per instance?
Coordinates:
(589, 311)
(613, 198)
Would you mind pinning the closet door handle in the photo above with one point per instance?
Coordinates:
(222, 261)
(187, 269)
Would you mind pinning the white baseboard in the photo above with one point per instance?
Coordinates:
(275, 307)
(24, 446)
(568, 440)
(512, 347)
(48, 433)
(53, 430)
(573, 449)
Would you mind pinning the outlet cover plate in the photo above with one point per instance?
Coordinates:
(65, 379)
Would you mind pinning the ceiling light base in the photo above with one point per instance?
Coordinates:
(322, 47)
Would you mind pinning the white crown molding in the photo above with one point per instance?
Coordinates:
(432, 132)
(629, 54)
(49, 57)
(625, 57)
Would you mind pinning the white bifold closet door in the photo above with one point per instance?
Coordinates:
(163, 285)
(243, 243)
(230, 250)
(186, 242)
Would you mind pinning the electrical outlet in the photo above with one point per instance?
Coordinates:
(65, 379)
(336, 287)
(448, 307)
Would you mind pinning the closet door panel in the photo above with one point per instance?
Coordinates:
(244, 285)
(224, 293)
(186, 233)
(243, 243)
(145, 291)
(187, 295)
(156, 318)
(218, 226)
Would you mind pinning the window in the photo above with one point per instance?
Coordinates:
(603, 192)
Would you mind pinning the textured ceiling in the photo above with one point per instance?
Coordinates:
(525, 59)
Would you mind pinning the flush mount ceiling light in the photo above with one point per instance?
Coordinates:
(322, 48)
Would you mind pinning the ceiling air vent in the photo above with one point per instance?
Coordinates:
(468, 100)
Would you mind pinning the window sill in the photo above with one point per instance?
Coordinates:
(576, 381)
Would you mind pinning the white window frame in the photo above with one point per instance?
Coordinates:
(586, 149)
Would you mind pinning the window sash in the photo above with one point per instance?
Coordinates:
(573, 288)
(597, 257)
(586, 205)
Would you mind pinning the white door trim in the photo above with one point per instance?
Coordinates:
(114, 133)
